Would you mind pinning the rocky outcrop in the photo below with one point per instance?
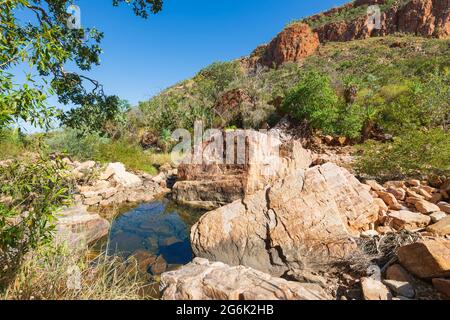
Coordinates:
(293, 44)
(305, 220)
(203, 280)
(78, 228)
(427, 18)
(261, 160)
(112, 186)
(419, 17)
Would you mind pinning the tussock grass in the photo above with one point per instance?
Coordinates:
(50, 273)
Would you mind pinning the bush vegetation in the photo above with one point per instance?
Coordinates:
(92, 146)
(30, 194)
(415, 154)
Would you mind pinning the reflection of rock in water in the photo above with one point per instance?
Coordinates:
(159, 228)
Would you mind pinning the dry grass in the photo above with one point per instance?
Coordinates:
(158, 159)
(59, 274)
(379, 250)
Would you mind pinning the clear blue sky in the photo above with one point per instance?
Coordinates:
(142, 57)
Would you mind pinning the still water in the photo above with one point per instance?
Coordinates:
(159, 227)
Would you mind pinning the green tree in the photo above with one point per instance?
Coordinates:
(48, 44)
(104, 117)
(315, 100)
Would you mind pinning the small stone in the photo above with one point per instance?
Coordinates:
(441, 228)
(412, 200)
(374, 290)
(404, 289)
(305, 276)
(425, 194)
(390, 200)
(442, 285)
(413, 183)
(437, 216)
(385, 230)
(428, 189)
(144, 260)
(165, 167)
(374, 185)
(369, 234)
(89, 194)
(328, 140)
(444, 207)
(108, 193)
(436, 198)
(395, 184)
(398, 193)
(408, 220)
(160, 266)
(426, 207)
(397, 273)
(92, 201)
(382, 205)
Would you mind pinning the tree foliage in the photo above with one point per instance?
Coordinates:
(48, 44)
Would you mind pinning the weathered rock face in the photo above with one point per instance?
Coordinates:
(419, 17)
(428, 18)
(307, 219)
(212, 184)
(79, 228)
(202, 280)
(293, 44)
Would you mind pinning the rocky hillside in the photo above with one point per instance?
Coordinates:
(427, 18)
(315, 224)
(412, 43)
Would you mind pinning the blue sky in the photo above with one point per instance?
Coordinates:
(142, 57)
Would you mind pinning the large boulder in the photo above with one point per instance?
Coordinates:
(203, 280)
(78, 228)
(427, 259)
(119, 174)
(306, 219)
(249, 162)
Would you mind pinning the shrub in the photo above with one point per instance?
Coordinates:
(11, 144)
(71, 142)
(414, 154)
(30, 194)
(127, 152)
(313, 99)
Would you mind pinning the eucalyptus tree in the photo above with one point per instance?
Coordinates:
(48, 43)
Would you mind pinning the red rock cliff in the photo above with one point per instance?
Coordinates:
(427, 18)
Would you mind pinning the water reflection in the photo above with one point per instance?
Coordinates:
(159, 228)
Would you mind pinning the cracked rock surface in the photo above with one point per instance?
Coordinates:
(307, 219)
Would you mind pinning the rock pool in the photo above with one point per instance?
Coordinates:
(159, 228)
